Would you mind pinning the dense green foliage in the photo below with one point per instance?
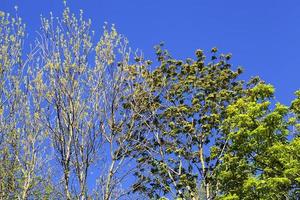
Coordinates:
(206, 134)
(183, 119)
(179, 129)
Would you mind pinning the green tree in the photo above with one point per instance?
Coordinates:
(181, 106)
(261, 161)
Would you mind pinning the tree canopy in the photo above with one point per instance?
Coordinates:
(86, 117)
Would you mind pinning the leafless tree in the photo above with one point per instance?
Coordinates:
(22, 157)
(81, 105)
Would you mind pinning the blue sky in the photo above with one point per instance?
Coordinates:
(262, 35)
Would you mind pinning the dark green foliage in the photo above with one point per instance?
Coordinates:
(203, 134)
(186, 102)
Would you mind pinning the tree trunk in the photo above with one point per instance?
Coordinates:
(108, 181)
(83, 194)
(206, 184)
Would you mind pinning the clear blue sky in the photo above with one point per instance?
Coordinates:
(262, 35)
